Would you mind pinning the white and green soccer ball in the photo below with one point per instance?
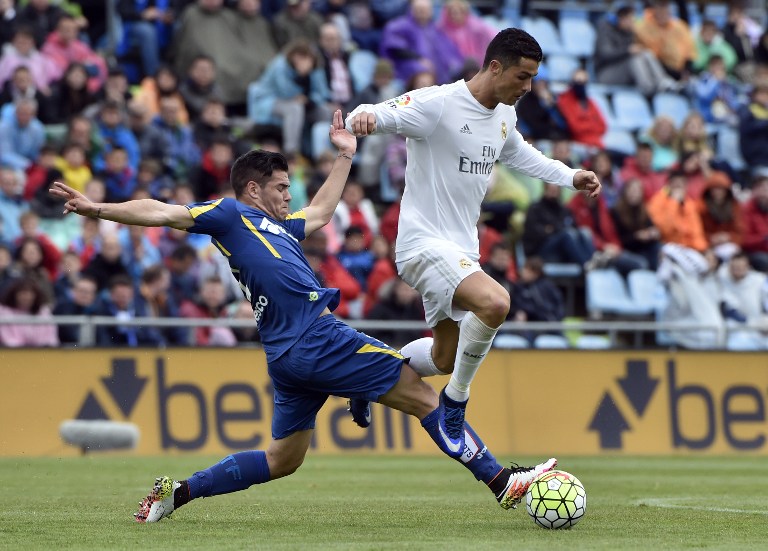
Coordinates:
(556, 499)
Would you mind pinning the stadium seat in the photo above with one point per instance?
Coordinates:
(672, 105)
(620, 141)
(729, 149)
(578, 36)
(320, 140)
(495, 22)
(607, 294)
(643, 287)
(361, 66)
(510, 342)
(593, 342)
(545, 32)
(561, 67)
(632, 110)
(604, 105)
(551, 341)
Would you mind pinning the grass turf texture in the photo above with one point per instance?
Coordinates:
(371, 502)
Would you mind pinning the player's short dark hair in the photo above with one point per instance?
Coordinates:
(510, 46)
(256, 165)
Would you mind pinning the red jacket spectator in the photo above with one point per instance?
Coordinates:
(336, 276)
(755, 213)
(388, 225)
(383, 270)
(594, 214)
(720, 211)
(640, 167)
(585, 121)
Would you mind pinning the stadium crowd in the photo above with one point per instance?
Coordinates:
(162, 105)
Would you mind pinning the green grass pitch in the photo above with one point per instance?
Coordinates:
(375, 502)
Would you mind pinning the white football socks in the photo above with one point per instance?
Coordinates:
(420, 354)
(475, 339)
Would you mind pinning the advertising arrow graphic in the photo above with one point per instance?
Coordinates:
(609, 423)
(124, 386)
(637, 385)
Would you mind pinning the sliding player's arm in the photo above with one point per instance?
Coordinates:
(140, 212)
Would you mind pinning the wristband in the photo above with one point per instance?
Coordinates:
(344, 155)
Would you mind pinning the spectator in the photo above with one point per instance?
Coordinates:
(21, 137)
(8, 271)
(211, 304)
(120, 304)
(585, 121)
(710, 43)
(753, 127)
(87, 244)
(29, 263)
(335, 61)
(8, 20)
(21, 86)
(634, 227)
(150, 178)
(296, 21)
(668, 37)
(211, 179)
(41, 16)
(183, 154)
(21, 52)
(62, 47)
(745, 293)
(138, 251)
(621, 60)
(74, 166)
(183, 267)
(70, 95)
(384, 270)
(212, 125)
(163, 83)
(147, 28)
(398, 302)
(68, 271)
(414, 43)
(107, 263)
(355, 258)
(721, 216)
(293, 90)
(200, 85)
(593, 216)
(362, 26)
(717, 97)
(257, 49)
(602, 165)
(24, 297)
(498, 265)
(355, 209)
(118, 177)
(468, 32)
(534, 297)
(116, 88)
(243, 311)
(662, 137)
(152, 143)
(12, 204)
(114, 133)
(755, 212)
(676, 215)
(539, 117)
(30, 229)
(330, 273)
(81, 302)
(549, 231)
(153, 298)
(743, 34)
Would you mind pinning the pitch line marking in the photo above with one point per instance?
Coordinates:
(665, 503)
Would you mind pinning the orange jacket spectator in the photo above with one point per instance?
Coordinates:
(721, 214)
(585, 121)
(676, 216)
(669, 38)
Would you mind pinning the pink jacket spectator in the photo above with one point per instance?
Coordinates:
(40, 67)
(61, 54)
(14, 336)
(471, 36)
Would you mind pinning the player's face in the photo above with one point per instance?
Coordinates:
(514, 82)
(274, 197)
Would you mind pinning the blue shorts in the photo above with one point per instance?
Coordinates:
(330, 359)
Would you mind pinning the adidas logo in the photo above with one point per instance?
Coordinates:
(465, 129)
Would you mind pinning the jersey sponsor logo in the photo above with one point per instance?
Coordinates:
(464, 263)
(399, 101)
(469, 166)
(274, 229)
(503, 130)
(258, 308)
(465, 129)
(313, 296)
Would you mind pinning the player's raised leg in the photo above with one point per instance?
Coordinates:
(235, 472)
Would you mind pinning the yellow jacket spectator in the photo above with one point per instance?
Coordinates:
(73, 166)
(668, 37)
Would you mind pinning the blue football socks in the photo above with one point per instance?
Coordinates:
(233, 473)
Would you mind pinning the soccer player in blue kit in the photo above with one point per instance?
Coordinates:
(310, 354)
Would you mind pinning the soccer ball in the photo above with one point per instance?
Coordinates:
(556, 499)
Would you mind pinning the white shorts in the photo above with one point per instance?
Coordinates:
(436, 273)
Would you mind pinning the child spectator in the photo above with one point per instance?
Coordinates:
(74, 167)
(118, 176)
(354, 257)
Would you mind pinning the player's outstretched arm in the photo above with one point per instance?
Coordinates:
(322, 207)
(141, 212)
(587, 181)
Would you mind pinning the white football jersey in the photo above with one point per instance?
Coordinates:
(453, 143)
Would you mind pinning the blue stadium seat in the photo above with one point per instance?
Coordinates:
(643, 287)
(607, 294)
(620, 141)
(673, 105)
(361, 66)
(561, 67)
(593, 342)
(604, 105)
(551, 342)
(632, 110)
(320, 140)
(729, 149)
(578, 36)
(508, 342)
(545, 32)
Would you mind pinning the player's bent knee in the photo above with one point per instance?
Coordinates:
(495, 310)
(283, 464)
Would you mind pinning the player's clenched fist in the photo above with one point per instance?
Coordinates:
(362, 124)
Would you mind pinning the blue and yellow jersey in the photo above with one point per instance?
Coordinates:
(267, 260)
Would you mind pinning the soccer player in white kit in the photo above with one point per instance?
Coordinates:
(455, 133)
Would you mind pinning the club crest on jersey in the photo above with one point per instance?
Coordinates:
(313, 296)
(503, 130)
(465, 264)
(399, 101)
